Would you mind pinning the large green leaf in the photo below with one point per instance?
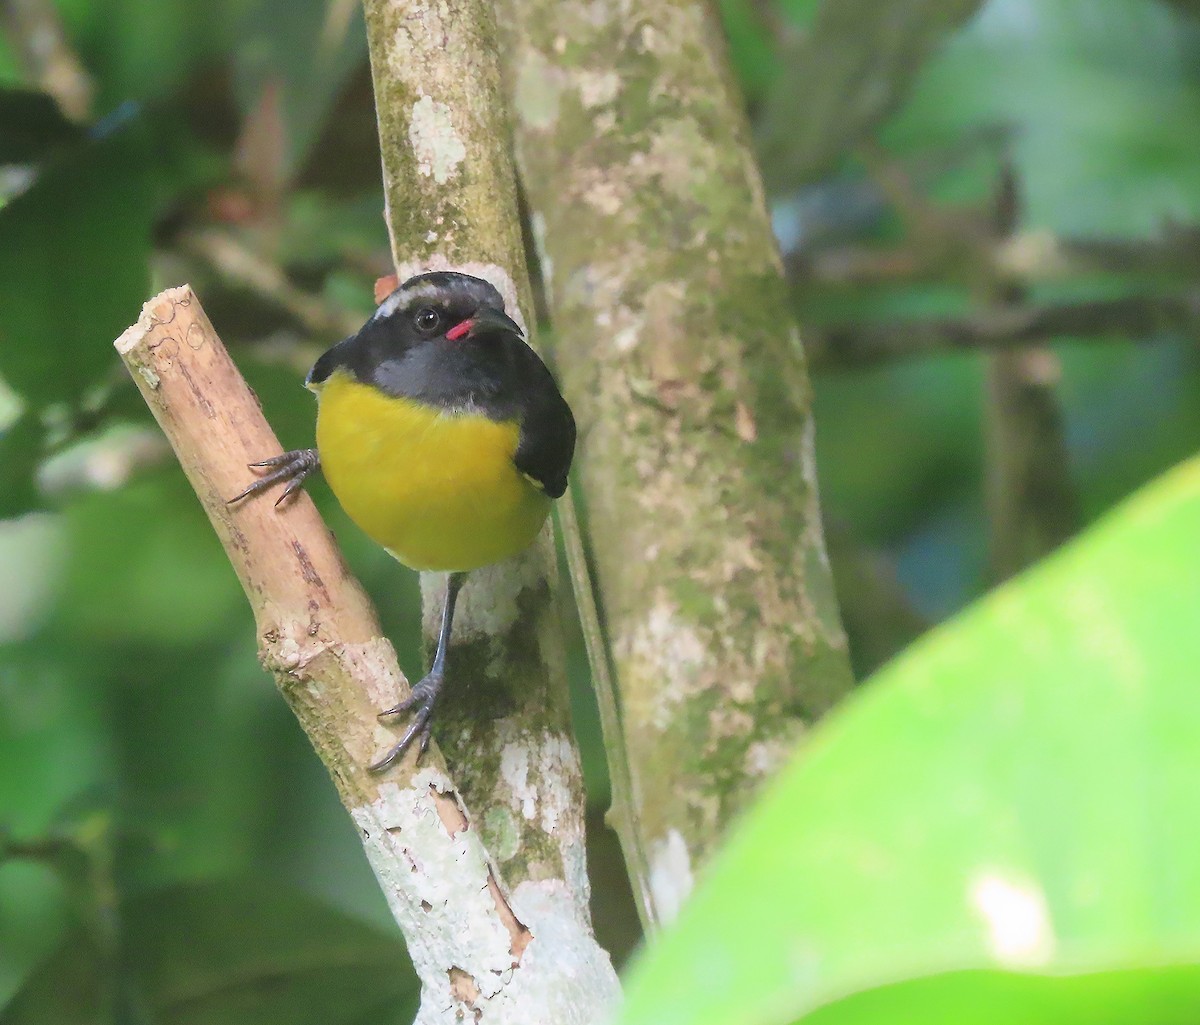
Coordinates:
(1001, 827)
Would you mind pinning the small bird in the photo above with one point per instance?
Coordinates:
(444, 437)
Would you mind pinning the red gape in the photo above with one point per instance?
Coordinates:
(456, 332)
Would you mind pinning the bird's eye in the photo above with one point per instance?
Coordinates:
(427, 319)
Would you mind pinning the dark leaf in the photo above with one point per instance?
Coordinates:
(73, 266)
(21, 448)
(31, 125)
(65, 989)
(229, 952)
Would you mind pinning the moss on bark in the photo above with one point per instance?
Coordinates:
(686, 373)
(451, 203)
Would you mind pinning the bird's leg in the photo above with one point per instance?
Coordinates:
(425, 694)
(292, 467)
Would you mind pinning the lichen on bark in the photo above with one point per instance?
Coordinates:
(503, 721)
(688, 380)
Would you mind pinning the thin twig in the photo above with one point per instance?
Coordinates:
(622, 812)
(1031, 499)
(239, 264)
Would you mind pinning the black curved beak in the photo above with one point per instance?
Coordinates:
(488, 318)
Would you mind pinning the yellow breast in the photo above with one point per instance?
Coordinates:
(439, 491)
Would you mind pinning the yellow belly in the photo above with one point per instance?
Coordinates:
(440, 492)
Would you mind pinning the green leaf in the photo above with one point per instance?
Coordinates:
(1078, 90)
(237, 951)
(998, 828)
(74, 252)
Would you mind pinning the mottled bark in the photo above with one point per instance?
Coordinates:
(449, 185)
(687, 376)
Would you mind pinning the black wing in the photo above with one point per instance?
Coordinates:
(547, 440)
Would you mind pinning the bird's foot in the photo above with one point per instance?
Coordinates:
(291, 466)
(420, 703)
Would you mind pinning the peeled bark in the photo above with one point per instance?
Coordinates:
(450, 190)
(521, 955)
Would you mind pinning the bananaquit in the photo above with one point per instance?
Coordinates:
(443, 436)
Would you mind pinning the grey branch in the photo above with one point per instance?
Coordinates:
(450, 190)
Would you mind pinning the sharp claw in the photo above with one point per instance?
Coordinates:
(293, 485)
(419, 726)
(292, 467)
(242, 494)
(404, 706)
(423, 698)
(279, 460)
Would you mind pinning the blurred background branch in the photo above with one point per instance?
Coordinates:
(36, 30)
(1141, 318)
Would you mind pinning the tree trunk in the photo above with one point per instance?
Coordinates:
(686, 372)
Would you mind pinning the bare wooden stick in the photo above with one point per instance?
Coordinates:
(475, 948)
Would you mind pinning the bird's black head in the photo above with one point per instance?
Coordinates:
(417, 328)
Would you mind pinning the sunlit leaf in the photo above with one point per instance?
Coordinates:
(999, 828)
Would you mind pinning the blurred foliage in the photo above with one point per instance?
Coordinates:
(1005, 798)
(142, 750)
(853, 66)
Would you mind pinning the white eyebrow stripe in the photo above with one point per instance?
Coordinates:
(482, 292)
(403, 296)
